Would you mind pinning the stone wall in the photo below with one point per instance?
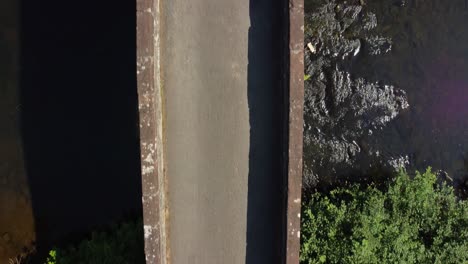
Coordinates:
(16, 217)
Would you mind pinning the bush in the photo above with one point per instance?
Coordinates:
(413, 221)
(122, 244)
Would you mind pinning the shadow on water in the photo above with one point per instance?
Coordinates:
(79, 115)
(16, 217)
(265, 207)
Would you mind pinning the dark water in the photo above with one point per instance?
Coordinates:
(405, 100)
(79, 116)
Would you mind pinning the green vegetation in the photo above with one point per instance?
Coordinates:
(122, 244)
(306, 77)
(416, 220)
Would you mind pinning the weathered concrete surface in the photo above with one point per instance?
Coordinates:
(204, 70)
(225, 130)
(295, 129)
(221, 68)
(151, 132)
(16, 219)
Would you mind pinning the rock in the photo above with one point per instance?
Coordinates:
(341, 108)
(311, 47)
(378, 45)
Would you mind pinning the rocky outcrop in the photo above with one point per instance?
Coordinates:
(386, 88)
(341, 110)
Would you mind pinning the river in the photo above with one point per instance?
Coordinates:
(387, 88)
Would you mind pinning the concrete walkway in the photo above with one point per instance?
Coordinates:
(204, 62)
(213, 96)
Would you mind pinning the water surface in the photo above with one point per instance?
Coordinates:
(422, 60)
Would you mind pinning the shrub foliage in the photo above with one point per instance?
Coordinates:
(122, 244)
(416, 220)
